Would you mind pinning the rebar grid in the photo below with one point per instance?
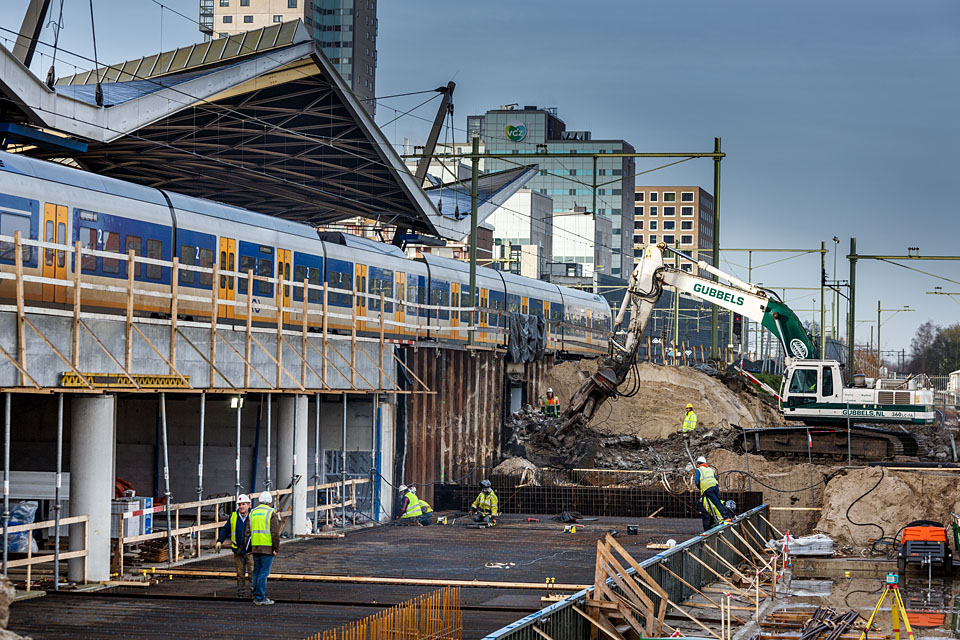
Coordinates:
(432, 616)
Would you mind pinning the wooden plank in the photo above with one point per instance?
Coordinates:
(641, 572)
(21, 334)
(103, 347)
(722, 577)
(352, 366)
(163, 357)
(77, 290)
(602, 624)
(619, 575)
(248, 347)
(57, 351)
(303, 363)
(214, 318)
(64, 555)
(128, 344)
(174, 303)
(725, 563)
(276, 361)
(23, 373)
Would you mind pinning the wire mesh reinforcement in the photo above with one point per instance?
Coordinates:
(432, 616)
(638, 502)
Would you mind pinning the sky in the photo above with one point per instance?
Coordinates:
(837, 118)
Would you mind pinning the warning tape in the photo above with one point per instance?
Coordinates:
(121, 381)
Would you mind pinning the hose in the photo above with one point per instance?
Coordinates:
(865, 494)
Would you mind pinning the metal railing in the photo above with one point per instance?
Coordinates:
(693, 561)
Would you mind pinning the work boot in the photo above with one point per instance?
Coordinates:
(266, 602)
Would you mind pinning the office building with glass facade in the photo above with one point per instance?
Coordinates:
(569, 181)
(346, 30)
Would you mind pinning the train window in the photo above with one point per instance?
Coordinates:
(187, 257)
(264, 269)
(62, 234)
(88, 240)
(135, 244)
(111, 242)
(205, 260)
(48, 237)
(411, 293)
(155, 252)
(285, 267)
(383, 282)
(316, 279)
(230, 267)
(339, 280)
(300, 274)
(247, 263)
(9, 224)
(223, 267)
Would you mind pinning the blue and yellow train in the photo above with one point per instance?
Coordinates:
(61, 205)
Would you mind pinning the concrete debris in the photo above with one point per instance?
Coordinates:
(7, 594)
(519, 467)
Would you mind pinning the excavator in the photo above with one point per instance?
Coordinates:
(812, 393)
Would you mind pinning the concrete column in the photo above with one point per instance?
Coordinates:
(92, 446)
(287, 452)
(388, 412)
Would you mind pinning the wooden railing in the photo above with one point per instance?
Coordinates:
(194, 531)
(49, 556)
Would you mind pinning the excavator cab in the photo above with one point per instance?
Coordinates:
(810, 382)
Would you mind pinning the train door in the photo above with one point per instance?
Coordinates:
(361, 301)
(227, 285)
(54, 262)
(399, 292)
(284, 272)
(546, 323)
(455, 315)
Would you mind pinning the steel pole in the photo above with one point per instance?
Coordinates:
(293, 457)
(6, 479)
(714, 321)
(852, 313)
(746, 321)
(316, 467)
(823, 306)
(203, 415)
(166, 476)
(56, 495)
(267, 483)
(343, 465)
(236, 484)
(474, 217)
(676, 305)
(878, 339)
(836, 294)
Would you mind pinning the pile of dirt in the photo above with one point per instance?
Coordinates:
(657, 409)
(881, 502)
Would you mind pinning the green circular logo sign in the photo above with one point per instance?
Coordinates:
(516, 131)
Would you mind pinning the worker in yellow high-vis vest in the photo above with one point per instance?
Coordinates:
(711, 507)
(412, 508)
(689, 420)
(265, 543)
(237, 528)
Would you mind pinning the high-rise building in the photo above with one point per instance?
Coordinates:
(346, 30)
(569, 181)
(674, 215)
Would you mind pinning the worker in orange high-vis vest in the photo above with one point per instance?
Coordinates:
(550, 405)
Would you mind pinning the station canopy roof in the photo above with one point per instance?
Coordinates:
(260, 120)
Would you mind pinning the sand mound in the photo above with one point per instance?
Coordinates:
(657, 409)
(900, 498)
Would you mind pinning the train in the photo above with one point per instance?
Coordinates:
(421, 298)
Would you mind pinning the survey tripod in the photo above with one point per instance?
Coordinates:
(896, 609)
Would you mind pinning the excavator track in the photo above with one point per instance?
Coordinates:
(830, 442)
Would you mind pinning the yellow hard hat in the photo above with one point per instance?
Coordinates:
(689, 406)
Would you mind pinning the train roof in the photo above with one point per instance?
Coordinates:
(456, 265)
(362, 244)
(54, 172)
(529, 282)
(238, 215)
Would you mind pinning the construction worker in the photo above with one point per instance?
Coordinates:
(265, 543)
(412, 508)
(485, 508)
(550, 405)
(712, 507)
(238, 530)
(689, 420)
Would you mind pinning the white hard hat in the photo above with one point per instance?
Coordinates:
(265, 498)
(412, 489)
(243, 499)
(402, 488)
(701, 460)
(549, 389)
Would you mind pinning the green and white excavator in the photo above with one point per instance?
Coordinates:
(813, 390)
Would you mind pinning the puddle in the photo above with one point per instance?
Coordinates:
(933, 606)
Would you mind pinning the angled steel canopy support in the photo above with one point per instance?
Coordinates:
(33, 19)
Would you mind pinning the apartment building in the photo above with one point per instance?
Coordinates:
(674, 215)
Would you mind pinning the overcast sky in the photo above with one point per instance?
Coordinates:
(838, 118)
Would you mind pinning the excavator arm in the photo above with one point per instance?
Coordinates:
(643, 290)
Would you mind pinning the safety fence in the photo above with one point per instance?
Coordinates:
(47, 556)
(432, 616)
(179, 535)
(680, 571)
(71, 281)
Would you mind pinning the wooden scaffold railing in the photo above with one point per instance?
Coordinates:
(432, 616)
